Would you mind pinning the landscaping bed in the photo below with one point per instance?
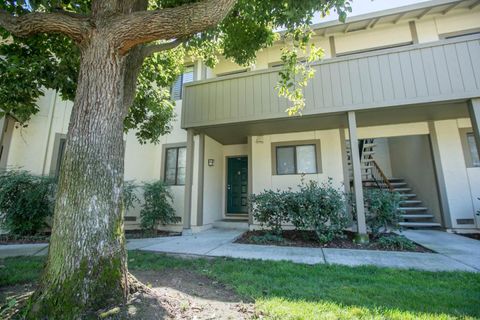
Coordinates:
(297, 238)
(45, 237)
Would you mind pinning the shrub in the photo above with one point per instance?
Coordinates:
(129, 195)
(396, 243)
(314, 207)
(270, 209)
(26, 201)
(320, 208)
(157, 208)
(381, 209)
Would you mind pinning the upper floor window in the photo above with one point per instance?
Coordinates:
(177, 87)
(175, 164)
(302, 158)
(472, 147)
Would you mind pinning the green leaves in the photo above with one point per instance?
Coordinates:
(29, 66)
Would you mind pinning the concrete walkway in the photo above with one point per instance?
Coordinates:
(455, 253)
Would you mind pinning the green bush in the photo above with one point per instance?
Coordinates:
(396, 243)
(129, 195)
(381, 209)
(270, 209)
(319, 207)
(26, 201)
(156, 208)
(313, 207)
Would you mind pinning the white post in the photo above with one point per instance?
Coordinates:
(362, 235)
(188, 182)
(474, 109)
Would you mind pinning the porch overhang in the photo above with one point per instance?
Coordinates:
(237, 133)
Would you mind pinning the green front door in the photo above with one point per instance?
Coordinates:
(237, 185)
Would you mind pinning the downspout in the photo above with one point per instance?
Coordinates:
(51, 112)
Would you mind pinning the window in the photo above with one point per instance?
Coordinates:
(61, 151)
(296, 159)
(177, 87)
(175, 164)
(472, 147)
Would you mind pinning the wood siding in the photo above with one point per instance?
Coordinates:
(444, 70)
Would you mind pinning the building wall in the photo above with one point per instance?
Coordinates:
(331, 160)
(411, 159)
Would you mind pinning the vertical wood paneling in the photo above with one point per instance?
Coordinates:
(346, 85)
(453, 66)
(235, 100)
(386, 77)
(257, 94)
(365, 83)
(265, 94)
(326, 86)
(336, 85)
(474, 50)
(407, 75)
(466, 67)
(442, 70)
(317, 88)
(376, 78)
(430, 71)
(397, 78)
(357, 96)
(383, 79)
(418, 73)
(242, 108)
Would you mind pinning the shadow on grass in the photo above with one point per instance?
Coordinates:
(325, 291)
(285, 290)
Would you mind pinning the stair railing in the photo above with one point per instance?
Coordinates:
(378, 175)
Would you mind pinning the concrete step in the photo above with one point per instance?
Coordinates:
(402, 189)
(231, 224)
(413, 208)
(420, 224)
(410, 202)
(398, 184)
(416, 216)
(407, 195)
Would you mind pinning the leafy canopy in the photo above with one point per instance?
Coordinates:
(28, 65)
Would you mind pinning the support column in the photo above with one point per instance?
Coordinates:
(187, 211)
(250, 176)
(362, 236)
(474, 109)
(201, 176)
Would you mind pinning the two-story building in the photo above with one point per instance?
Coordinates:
(403, 84)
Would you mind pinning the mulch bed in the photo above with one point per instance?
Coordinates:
(295, 238)
(45, 237)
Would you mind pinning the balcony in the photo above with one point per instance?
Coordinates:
(428, 73)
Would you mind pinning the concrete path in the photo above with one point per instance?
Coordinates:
(453, 246)
(455, 253)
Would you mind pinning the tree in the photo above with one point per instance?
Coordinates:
(114, 57)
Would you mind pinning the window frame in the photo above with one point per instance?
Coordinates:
(289, 144)
(58, 151)
(181, 76)
(464, 132)
(165, 148)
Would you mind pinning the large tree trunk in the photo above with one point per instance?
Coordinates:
(86, 268)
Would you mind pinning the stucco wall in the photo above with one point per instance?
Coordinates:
(213, 183)
(411, 159)
(331, 159)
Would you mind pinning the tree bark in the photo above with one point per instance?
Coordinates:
(86, 267)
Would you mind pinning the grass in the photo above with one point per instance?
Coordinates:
(283, 290)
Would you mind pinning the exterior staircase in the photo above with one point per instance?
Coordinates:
(413, 213)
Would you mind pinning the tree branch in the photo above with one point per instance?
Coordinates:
(151, 49)
(75, 26)
(169, 23)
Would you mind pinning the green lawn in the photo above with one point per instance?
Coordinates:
(283, 290)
